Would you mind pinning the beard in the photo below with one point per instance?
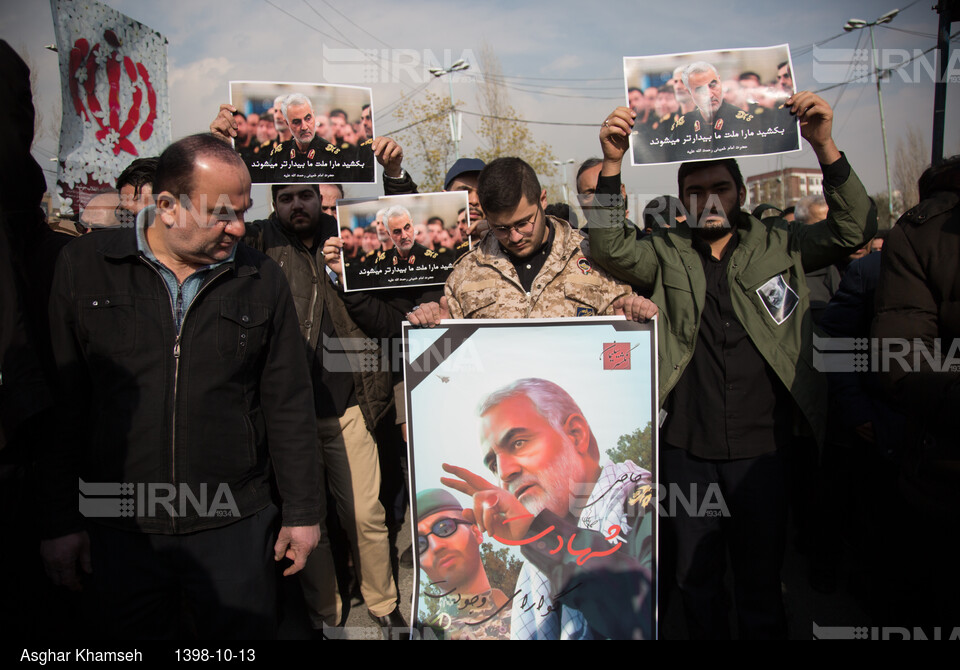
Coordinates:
(556, 483)
(715, 232)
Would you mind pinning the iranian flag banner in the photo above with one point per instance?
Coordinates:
(113, 78)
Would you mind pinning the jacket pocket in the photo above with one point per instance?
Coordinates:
(241, 329)
(675, 278)
(589, 295)
(109, 324)
(473, 301)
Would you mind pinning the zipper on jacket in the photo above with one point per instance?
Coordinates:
(176, 363)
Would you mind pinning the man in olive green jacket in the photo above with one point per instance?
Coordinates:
(735, 356)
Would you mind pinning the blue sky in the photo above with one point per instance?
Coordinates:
(562, 61)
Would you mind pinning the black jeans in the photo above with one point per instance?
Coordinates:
(212, 584)
(753, 491)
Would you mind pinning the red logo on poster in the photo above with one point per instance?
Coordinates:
(87, 62)
(616, 356)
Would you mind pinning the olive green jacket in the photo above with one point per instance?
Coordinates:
(666, 266)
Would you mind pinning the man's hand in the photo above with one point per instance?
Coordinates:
(60, 556)
(224, 126)
(492, 505)
(389, 154)
(635, 308)
(615, 139)
(477, 229)
(331, 255)
(429, 314)
(816, 124)
(296, 543)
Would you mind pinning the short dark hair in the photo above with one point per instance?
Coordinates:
(275, 189)
(667, 88)
(139, 173)
(749, 74)
(584, 166)
(175, 167)
(239, 113)
(945, 175)
(687, 169)
(632, 89)
(266, 116)
(786, 62)
(339, 187)
(662, 212)
(337, 112)
(362, 109)
(562, 210)
(504, 182)
(435, 219)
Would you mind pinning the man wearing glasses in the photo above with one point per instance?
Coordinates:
(530, 265)
(449, 550)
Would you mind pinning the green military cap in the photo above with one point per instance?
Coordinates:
(431, 501)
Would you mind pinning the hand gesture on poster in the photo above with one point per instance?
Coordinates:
(224, 127)
(331, 255)
(389, 154)
(429, 314)
(816, 124)
(492, 505)
(615, 136)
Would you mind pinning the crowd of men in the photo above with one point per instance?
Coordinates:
(206, 365)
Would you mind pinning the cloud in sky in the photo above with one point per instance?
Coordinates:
(562, 60)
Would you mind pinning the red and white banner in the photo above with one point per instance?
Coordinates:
(113, 77)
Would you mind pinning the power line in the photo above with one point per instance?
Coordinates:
(860, 38)
(491, 116)
(908, 32)
(541, 123)
(558, 95)
(900, 66)
(301, 21)
(480, 76)
(361, 28)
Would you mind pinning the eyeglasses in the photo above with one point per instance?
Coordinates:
(523, 227)
(442, 528)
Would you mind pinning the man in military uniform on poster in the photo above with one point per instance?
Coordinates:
(407, 253)
(716, 128)
(312, 158)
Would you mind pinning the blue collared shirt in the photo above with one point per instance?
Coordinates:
(181, 295)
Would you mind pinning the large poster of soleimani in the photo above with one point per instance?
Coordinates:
(533, 460)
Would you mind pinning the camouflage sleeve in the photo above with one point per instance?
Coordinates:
(453, 305)
(612, 289)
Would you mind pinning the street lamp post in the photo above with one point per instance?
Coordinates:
(456, 124)
(563, 171)
(857, 24)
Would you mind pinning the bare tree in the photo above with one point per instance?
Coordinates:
(500, 132)
(426, 137)
(911, 159)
